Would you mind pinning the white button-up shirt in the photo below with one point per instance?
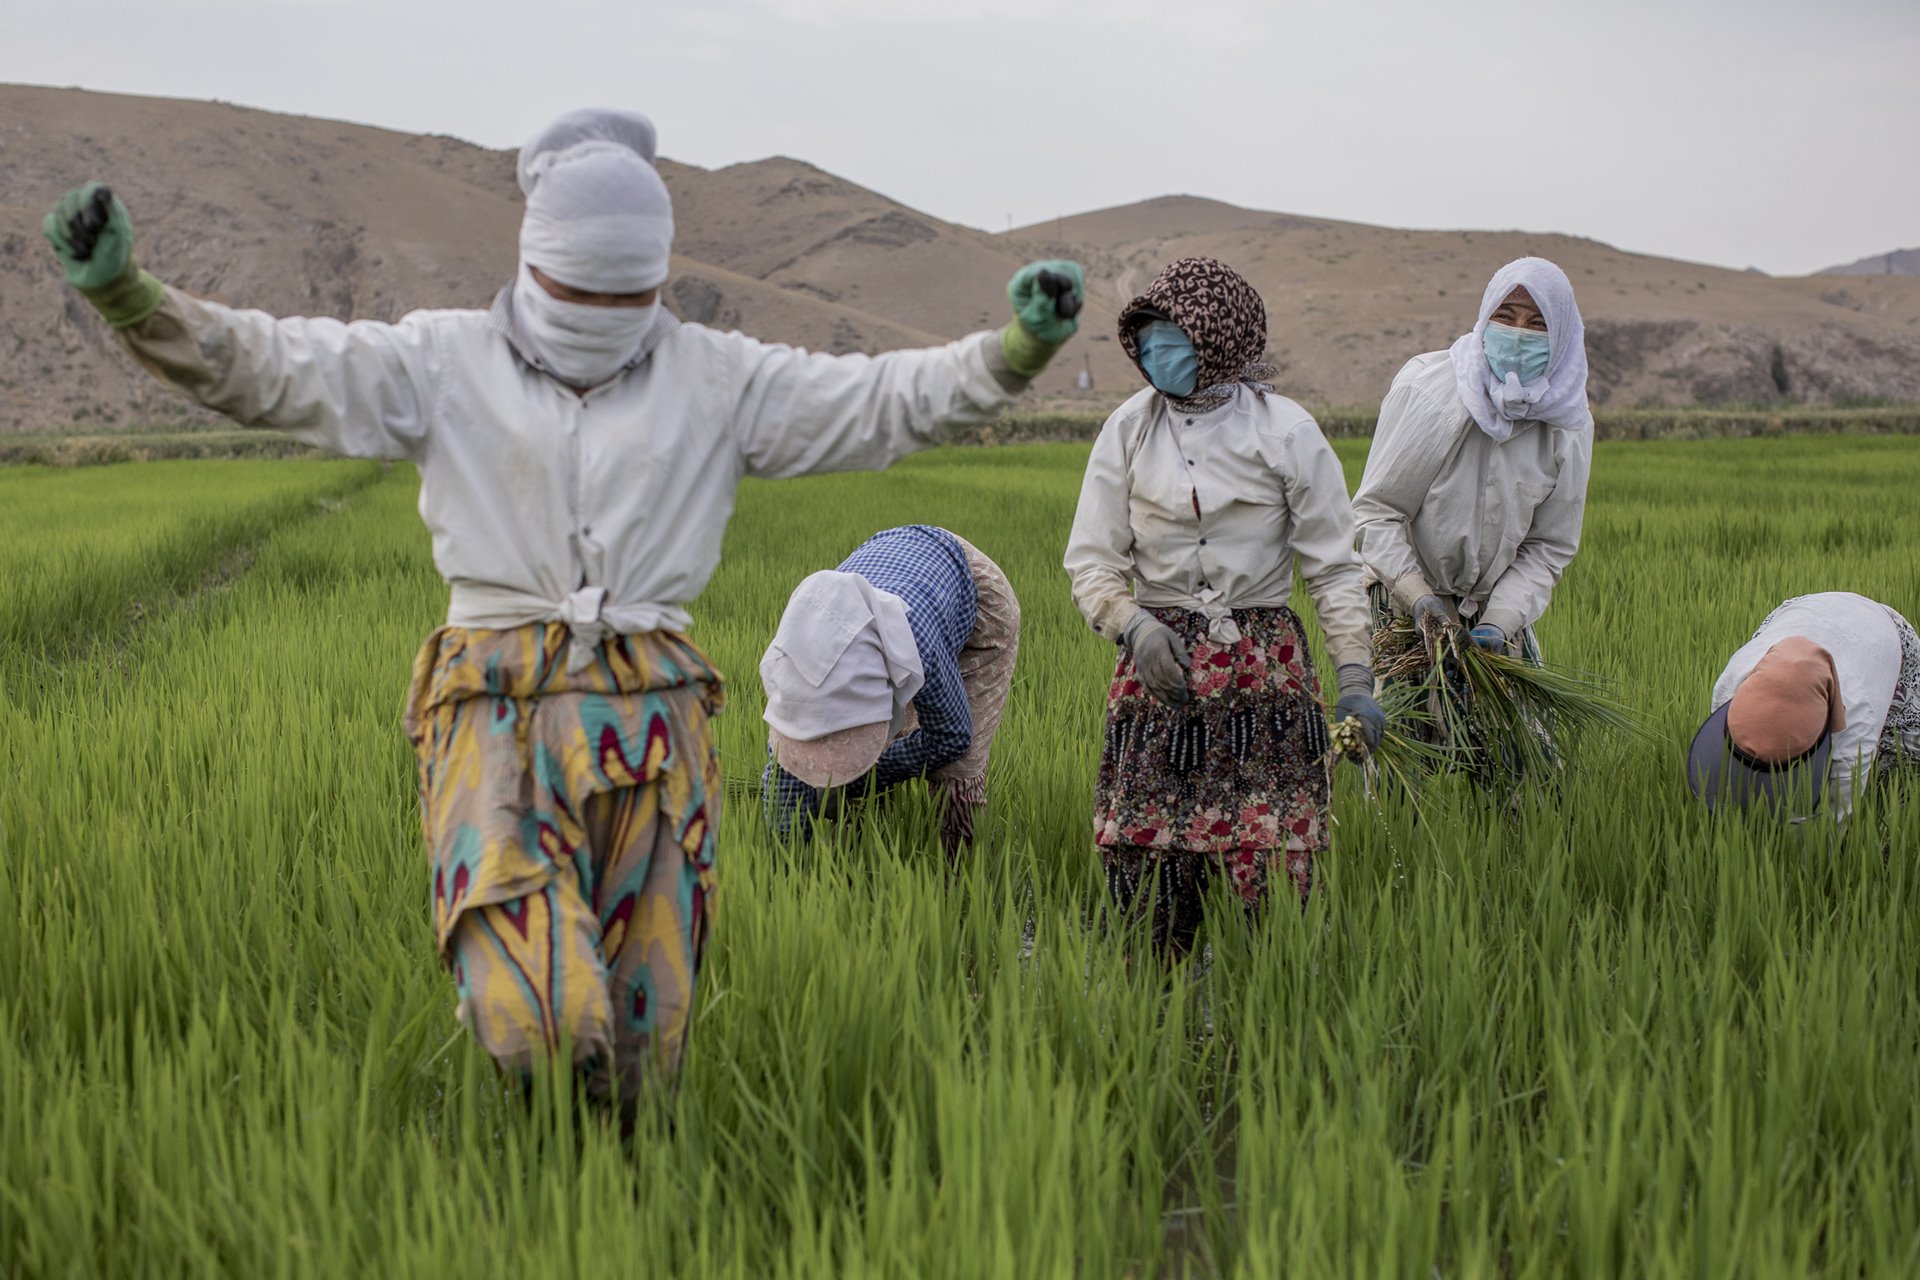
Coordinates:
(605, 510)
(1878, 662)
(1445, 510)
(1211, 512)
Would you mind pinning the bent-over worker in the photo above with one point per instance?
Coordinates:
(894, 666)
(1826, 693)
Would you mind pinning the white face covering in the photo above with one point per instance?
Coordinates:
(582, 346)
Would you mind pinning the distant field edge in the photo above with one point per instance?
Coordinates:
(1615, 424)
(94, 449)
(133, 445)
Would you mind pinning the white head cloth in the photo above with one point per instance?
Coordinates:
(590, 124)
(1560, 398)
(843, 656)
(598, 216)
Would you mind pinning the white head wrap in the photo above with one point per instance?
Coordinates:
(1560, 398)
(843, 657)
(598, 216)
(590, 124)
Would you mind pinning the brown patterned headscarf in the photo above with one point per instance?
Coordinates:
(1215, 307)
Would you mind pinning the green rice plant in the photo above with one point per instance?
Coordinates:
(1613, 1037)
(1494, 715)
(86, 555)
(1405, 754)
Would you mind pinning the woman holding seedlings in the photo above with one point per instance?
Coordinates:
(578, 450)
(1202, 494)
(1476, 484)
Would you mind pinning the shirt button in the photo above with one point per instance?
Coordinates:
(1203, 542)
(1189, 421)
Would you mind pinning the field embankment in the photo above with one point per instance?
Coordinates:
(84, 448)
(1615, 424)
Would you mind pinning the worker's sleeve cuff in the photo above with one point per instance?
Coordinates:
(1350, 651)
(994, 353)
(1407, 589)
(1025, 354)
(1510, 623)
(1355, 677)
(1136, 622)
(132, 297)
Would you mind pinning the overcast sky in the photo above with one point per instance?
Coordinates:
(1783, 134)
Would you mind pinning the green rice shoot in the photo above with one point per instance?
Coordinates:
(1610, 1037)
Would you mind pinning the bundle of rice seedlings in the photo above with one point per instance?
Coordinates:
(1405, 753)
(1490, 714)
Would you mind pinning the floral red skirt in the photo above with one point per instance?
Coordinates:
(1238, 775)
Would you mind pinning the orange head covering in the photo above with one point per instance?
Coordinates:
(1791, 697)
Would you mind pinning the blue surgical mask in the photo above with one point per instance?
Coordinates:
(1521, 351)
(1168, 357)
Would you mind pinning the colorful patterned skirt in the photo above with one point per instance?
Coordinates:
(570, 821)
(1232, 783)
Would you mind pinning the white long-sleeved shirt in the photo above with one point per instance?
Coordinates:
(1444, 510)
(1877, 657)
(604, 510)
(1211, 512)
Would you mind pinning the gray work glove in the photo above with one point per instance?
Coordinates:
(1430, 607)
(1356, 701)
(1488, 636)
(1160, 658)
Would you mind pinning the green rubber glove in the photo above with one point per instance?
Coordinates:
(92, 234)
(1046, 297)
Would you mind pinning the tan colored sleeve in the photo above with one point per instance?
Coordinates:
(1323, 544)
(1526, 588)
(357, 389)
(800, 413)
(1401, 468)
(1099, 557)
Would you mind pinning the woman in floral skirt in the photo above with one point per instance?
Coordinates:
(1203, 493)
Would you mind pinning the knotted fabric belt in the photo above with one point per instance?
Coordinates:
(589, 616)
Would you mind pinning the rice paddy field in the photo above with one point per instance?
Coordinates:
(1605, 1037)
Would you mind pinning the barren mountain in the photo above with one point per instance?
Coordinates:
(298, 215)
(1901, 262)
(1348, 303)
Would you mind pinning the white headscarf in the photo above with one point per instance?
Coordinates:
(1560, 398)
(843, 657)
(589, 124)
(598, 218)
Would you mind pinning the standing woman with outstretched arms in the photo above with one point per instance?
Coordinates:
(1203, 494)
(578, 450)
(1476, 484)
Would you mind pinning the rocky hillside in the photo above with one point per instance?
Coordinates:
(1901, 262)
(1347, 304)
(293, 214)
